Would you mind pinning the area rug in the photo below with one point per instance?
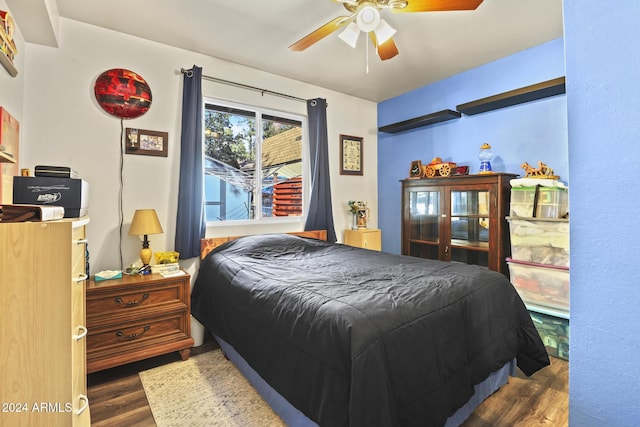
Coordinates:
(205, 390)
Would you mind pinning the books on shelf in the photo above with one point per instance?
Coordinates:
(23, 213)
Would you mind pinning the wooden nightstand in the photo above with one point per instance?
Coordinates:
(137, 317)
(367, 238)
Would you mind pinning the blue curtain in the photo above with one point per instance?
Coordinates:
(320, 215)
(190, 221)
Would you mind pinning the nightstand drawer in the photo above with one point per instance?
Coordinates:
(131, 300)
(130, 336)
(137, 317)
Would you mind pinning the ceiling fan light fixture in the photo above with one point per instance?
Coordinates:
(397, 4)
(368, 17)
(384, 31)
(350, 34)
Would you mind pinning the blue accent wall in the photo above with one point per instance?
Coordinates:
(603, 105)
(531, 132)
(595, 131)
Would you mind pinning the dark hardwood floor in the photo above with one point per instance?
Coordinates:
(117, 398)
(540, 400)
(116, 395)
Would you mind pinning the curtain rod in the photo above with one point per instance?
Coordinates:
(189, 73)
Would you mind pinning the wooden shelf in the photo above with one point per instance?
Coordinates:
(518, 96)
(427, 120)
(5, 158)
(11, 69)
(7, 42)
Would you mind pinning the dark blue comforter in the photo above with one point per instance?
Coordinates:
(353, 337)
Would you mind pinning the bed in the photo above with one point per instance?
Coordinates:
(343, 336)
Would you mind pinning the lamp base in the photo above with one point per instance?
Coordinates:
(145, 256)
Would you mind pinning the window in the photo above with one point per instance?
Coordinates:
(253, 163)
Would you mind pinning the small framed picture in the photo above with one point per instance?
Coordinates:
(350, 155)
(146, 142)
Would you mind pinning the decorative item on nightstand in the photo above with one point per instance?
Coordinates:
(145, 222)
(485, 157)
(360, 212)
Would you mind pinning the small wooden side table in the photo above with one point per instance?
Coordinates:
(366, 238)
(137, 317)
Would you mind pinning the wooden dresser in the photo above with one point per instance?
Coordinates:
(42, 324)
(137, 317)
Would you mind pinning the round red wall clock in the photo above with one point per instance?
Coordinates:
(123, 93)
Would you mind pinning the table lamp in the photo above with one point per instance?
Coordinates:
(145, 222)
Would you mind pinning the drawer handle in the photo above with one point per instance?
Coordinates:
(81, 242)
(80, 278)
(132, 337)
(82, 333)
(85, 404)
(131, 303)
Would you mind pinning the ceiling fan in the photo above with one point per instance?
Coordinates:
(365, 17)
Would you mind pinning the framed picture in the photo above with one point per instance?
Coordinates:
(350, 155)
(146, 142)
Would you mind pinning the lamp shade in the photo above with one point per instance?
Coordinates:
(350, 34)
(384, 32)
(145, 221)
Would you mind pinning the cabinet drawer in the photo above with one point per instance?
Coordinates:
(106, 307)
(133, 335)
(79, 369)
(78, 252)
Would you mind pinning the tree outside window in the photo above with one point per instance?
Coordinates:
(253, 163)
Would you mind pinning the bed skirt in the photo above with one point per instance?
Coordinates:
(294, 418)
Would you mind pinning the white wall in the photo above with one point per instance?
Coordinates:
(64, 126)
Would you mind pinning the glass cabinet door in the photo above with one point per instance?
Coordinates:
(458, 219)
(469, 217)
(424, 223)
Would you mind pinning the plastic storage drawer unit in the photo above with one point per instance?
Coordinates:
(540, 241)
(554, 333)
(545, 286)
(552, 202)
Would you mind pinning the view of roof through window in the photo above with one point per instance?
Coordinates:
(253, 164)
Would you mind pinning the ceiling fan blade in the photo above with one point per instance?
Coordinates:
(437, 5)
(320, 33)
(386, 50)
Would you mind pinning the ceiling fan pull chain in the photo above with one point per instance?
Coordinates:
(366, 49)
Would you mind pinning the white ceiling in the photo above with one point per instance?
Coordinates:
(257, 33)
